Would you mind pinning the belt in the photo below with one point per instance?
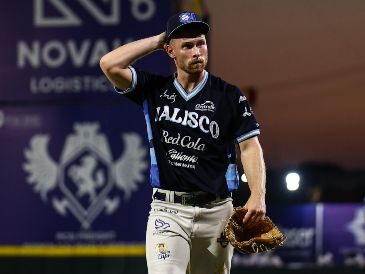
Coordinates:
(189, 199)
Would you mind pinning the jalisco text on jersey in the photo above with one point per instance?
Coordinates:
(191, 119)
(183, 141)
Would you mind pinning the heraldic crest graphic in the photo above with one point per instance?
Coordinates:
(86, 172)
(357, 226)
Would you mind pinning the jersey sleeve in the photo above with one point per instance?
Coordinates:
(138, 89)
(245, 123)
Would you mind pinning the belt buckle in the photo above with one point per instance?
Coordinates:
(185, 199)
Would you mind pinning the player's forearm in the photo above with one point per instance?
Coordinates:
(254, 167)
(125, 55)
(115, 63)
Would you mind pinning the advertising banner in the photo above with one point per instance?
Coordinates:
(73, 175)
(51, 48)
(298, 223)
(317, 235)
(344, 233)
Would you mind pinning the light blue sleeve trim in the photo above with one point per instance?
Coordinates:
(248, 135)
(133, 83)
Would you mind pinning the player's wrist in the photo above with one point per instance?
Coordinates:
(258, 191)
(160, 40)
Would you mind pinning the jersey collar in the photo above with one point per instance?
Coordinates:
(195, 91)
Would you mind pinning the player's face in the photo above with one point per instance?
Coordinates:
(190, 54)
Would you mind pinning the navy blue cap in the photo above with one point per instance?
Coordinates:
(183, 20)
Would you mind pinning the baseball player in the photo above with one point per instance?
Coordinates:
(193, 121)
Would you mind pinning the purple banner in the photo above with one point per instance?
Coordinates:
(298, 223)
(317, 235)
(51, 48)
(73, 175)
(344, 232)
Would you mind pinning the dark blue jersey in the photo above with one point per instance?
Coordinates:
(192, 135)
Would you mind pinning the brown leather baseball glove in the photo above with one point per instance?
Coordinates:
(262, 236)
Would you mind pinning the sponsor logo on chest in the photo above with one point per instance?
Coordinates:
(187, 118)
(206, 106)
(183, 141)
(170, 97)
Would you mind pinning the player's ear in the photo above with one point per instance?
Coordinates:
(169, 50)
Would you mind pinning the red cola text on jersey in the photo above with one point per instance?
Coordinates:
(183, 141)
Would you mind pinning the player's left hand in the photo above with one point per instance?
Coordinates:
(256, 210)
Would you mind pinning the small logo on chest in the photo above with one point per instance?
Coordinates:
(170, 97)
(206, 106)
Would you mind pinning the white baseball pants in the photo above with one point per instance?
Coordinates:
(183, 239)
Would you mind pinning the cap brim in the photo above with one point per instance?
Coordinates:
(197, 25)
